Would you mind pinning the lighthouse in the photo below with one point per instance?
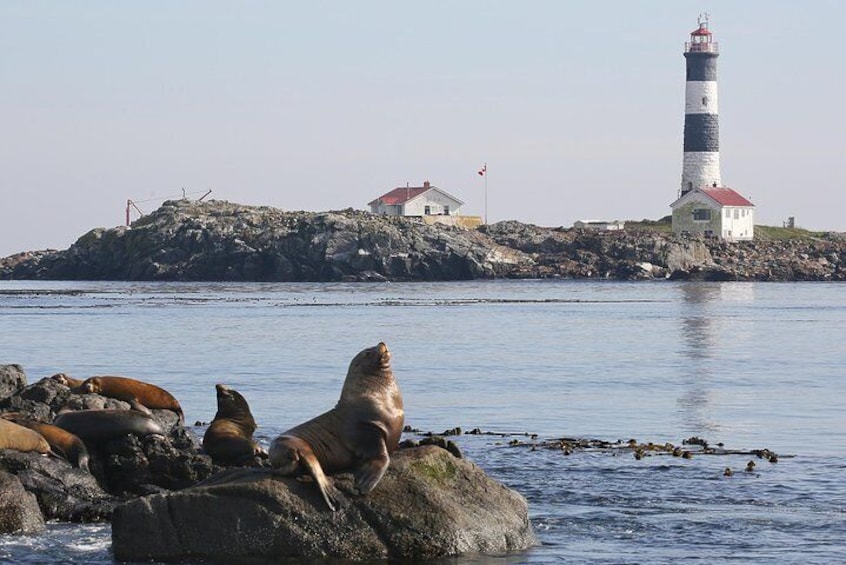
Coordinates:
(704, 205)
(701, 164)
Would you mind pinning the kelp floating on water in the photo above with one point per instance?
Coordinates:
(687, 449)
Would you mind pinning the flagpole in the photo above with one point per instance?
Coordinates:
(486, 193)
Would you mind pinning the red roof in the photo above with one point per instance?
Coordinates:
(402, 195)
(701, 31)
(725, 196)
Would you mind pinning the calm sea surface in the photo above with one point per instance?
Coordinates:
(750, 365)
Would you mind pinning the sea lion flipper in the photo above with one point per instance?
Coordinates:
(368, 475)
(135, 404)
(57, 451)
(373, 454)
(327, 489)
(290, 456)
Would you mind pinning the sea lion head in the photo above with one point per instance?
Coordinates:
(372, 360)
(369, 373)
(60, 378)
(64, 379)
(68, 381)
(232, 406)
(91, 385)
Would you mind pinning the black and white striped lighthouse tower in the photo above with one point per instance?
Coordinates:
(701, 165)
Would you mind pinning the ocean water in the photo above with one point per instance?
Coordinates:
(748, 365)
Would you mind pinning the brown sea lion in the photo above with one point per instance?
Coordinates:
(140, 395)
(229, 438)
(63, 443)
(67, 380)
(358, 434)
(17, 437)
(103, 425)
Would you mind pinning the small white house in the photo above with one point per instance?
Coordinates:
(426, 200)
(599, 225)
(714, 210)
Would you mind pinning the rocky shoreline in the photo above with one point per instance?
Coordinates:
(167, 499)
(221, 241)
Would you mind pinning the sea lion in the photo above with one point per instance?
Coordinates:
(140, 395)
(96, 426)
(17, 437)
(229, 438)
(67, 380)
(358, 434)
(63, 443)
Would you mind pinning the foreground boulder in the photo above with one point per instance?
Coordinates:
(62, 491)
(428, 505)
(19, 512)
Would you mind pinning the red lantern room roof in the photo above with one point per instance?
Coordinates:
(702, 30)
(701, 39)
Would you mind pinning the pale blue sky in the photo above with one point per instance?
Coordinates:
(577, 107)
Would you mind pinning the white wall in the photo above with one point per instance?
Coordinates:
(738, 223)
(436, 202)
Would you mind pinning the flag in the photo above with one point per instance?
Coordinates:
(483, 170)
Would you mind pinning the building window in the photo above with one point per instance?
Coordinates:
(736, 213)
(702, 215)
(427, 210)
(728, 213)
(446, 210)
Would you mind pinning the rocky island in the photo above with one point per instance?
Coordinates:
(188, 240)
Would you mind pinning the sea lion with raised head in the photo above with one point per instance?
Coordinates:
(63, 443)
(95, 426)
(17, 437)
(140, 395)
(358, 434)
(229, 438)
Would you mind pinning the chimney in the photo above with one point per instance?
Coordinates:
(426, 184)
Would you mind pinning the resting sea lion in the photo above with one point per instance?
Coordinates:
(229, 438)
(102, 425)
(67, 380)
(62, 442)
(19, 438)
(358, 434)
(140, 395)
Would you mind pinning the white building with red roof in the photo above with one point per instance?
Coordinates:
(426, 200)
(714, 210)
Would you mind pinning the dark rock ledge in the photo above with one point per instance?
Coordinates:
(430, 504)
(221, 241)
(119, 469)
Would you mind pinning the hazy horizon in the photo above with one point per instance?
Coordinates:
(577, 109)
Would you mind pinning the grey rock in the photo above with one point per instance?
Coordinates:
(685, 255)
(19, 512)
(12, 380)
(62, 491)
(428, 505)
